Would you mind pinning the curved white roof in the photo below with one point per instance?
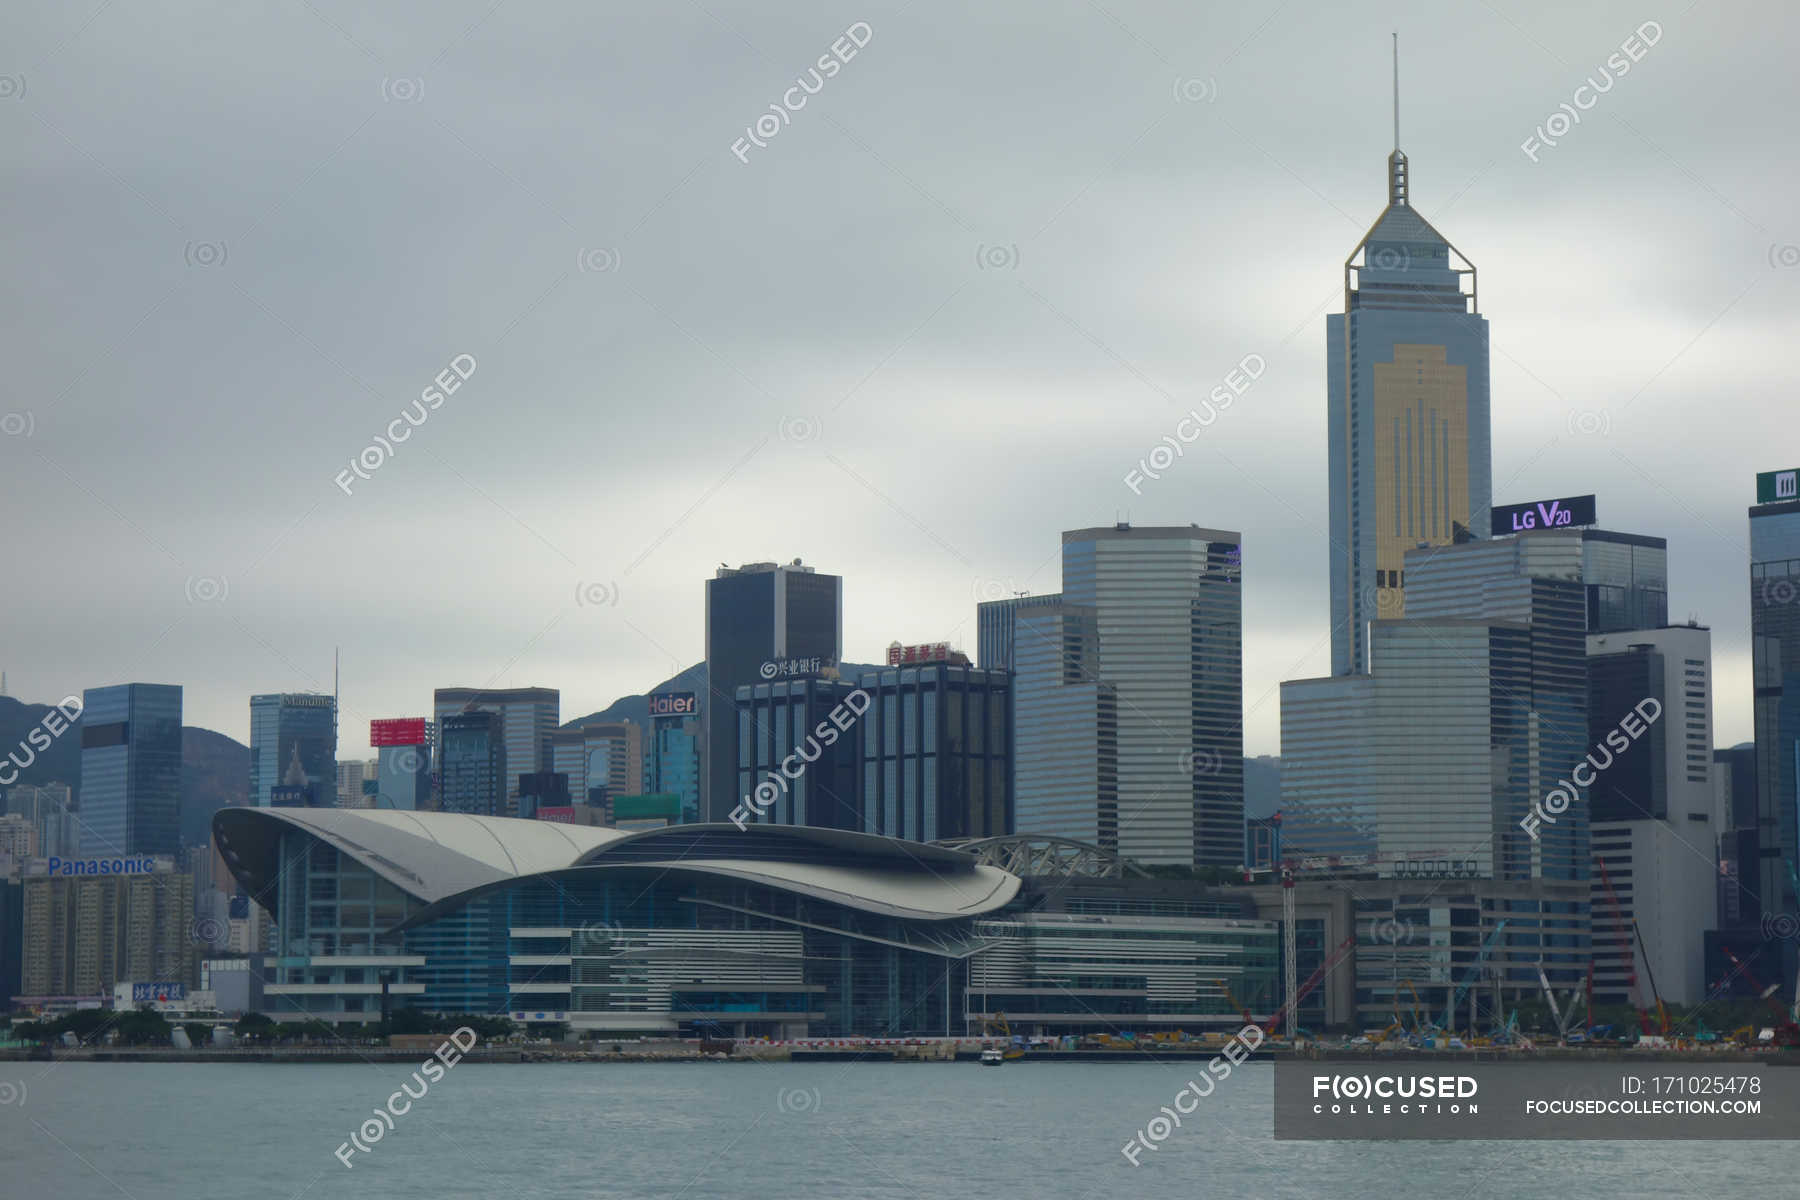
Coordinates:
(443, 858)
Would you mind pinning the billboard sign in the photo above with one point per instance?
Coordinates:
(674, 704)
(1772, 487)
(158, 993)
(562, 814)
(1565, 513)
(794, 668)
(898, 655)
(397, 731)
(140, 865)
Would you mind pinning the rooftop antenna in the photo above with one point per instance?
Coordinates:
(1396, 89)
(1397, 160)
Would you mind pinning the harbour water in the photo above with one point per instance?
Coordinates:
(702, 1130)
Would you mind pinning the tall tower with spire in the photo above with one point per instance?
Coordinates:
(1407, 393)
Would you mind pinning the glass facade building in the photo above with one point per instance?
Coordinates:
(402, 777)
(1476, 709)
(528, 717)
(996, 624)
(755, 614)
(936, 752)
(772, 931)
(672, 762)
(472, 772)
(130, 800)
(1168, 608)
(1627, 580)
(1775, 668)
(293, 735)
(1065, 727)
(1408, 420)
(789, 721)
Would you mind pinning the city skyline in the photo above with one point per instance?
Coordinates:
(1019, 305)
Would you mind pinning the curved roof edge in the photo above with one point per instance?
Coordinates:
(446, 859)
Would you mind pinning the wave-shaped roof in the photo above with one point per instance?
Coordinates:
(445, 859)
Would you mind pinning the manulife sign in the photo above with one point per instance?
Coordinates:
(1775, 486)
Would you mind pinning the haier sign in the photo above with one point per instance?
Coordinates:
(674, 704)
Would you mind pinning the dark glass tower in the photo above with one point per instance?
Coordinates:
(131, 769)
(289, 728)
(1408, 425)
(756, 614)
(936, 752)
(472, 758)
(1775, 666)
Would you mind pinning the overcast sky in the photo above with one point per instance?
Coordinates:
(933, 322)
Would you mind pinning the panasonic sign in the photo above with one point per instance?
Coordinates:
(142, 865)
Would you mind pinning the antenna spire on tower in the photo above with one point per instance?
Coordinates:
(1396, 160)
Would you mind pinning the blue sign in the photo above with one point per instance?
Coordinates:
(158, 993)
(101, 866)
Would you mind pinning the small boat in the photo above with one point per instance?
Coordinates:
(992, 1057)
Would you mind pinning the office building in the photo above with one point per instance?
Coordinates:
(936, 749)
(131, 769)
(1627, 580)
(51, 810)
(780, 722)
(12, 938)
(85, 931)
(1775, 667)
(674, 750)
(350, 779)
(18, 837)
(1408, 420)
(1651, 809)
(763, 620)
(601, 760)
(1065, 727)
(472, 758)
(1168, 608)
(293, 744)
(402, 763)
(1734, 800)
(528, 716)
(540, 790)
(996, 628)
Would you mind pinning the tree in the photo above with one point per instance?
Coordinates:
(254, 1026)
(198, 1034)
(144, 1027)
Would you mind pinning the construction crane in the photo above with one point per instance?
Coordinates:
(1312, 981)
(1232, 1000)
(1487, 946)
(1417, 1008)
(1787, 1032)
(1562, 1022)
(1794, 878)
(1631, 981)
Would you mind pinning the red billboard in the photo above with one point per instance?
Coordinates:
(564, 815)
(397, 731)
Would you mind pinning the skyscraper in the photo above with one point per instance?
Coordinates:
(131, 769)
(1065, 723)
(759, 617)
(293, 735)
(472, 757)
(528, 717)
(1168, 610)
(1407, 402)
(1775, 666)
